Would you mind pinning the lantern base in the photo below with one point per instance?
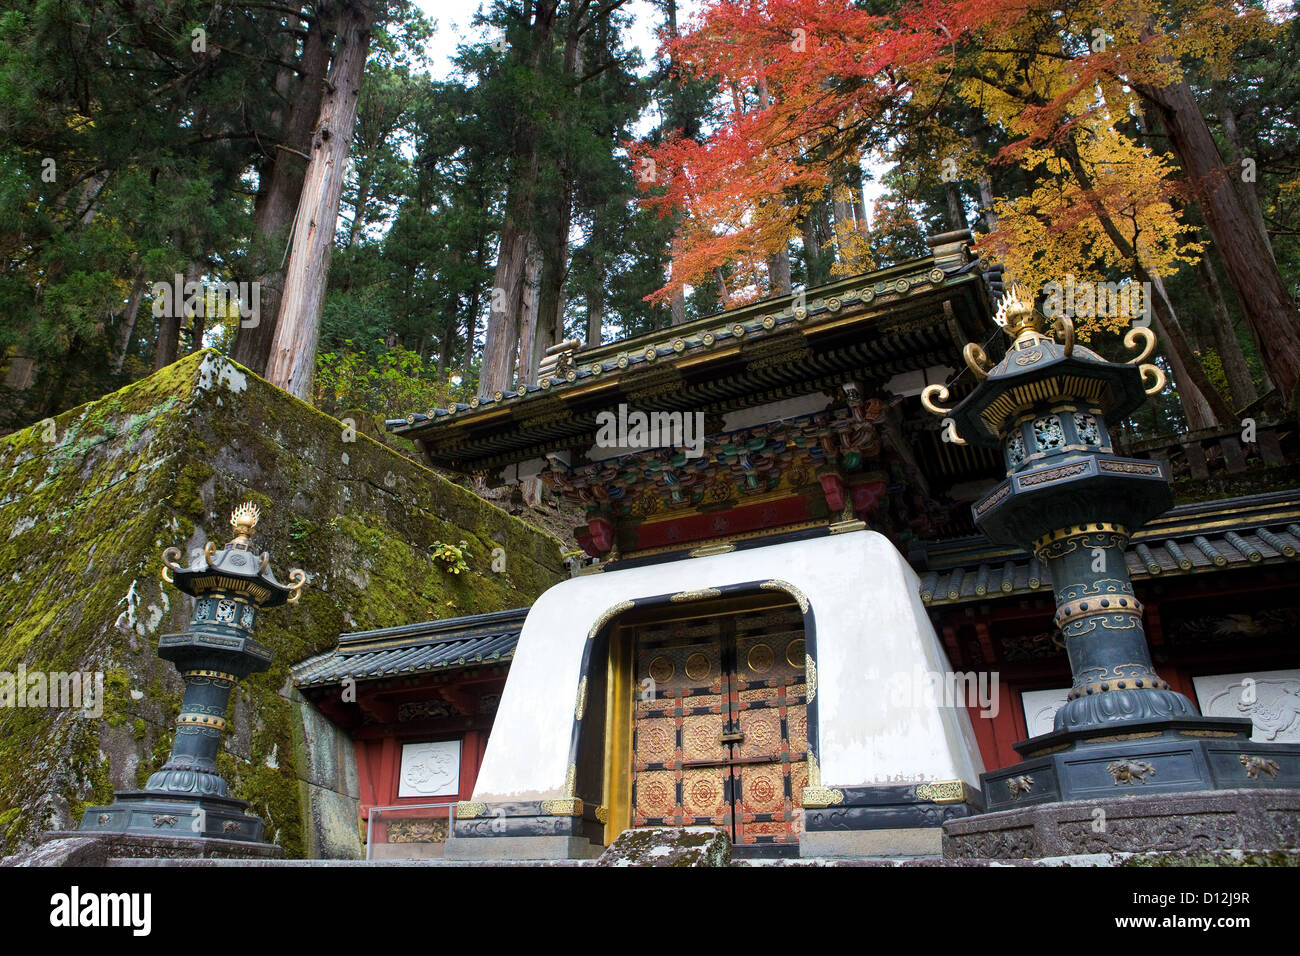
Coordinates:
(153, 813)
(1177, 755)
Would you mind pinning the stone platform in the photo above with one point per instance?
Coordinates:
(1206, 821)
(78, 848)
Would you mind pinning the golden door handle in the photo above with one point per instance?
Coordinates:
(734, 737)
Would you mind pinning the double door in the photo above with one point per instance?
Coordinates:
(720, 723)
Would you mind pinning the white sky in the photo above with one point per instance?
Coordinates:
(453, 18)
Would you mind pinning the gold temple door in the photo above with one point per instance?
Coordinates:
(720, 726)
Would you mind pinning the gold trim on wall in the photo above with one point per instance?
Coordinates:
(946, 791)
(562, 808)
(815, 798)
(620, 680)
(581, 707)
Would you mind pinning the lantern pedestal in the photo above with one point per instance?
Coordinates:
(152, 813)
(1166, 755)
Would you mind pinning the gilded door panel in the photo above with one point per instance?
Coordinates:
(705, 796)
(678, 720)
(720, 729)
(656, 742)
(701, 738)
(763, 735)
(656, 798)
(771, 757)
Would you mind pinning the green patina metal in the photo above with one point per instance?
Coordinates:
(1074, 504)
(188, 796)
(1047, 406)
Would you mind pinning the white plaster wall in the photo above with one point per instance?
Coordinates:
(873, 639)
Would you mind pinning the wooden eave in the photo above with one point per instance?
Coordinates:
(910, 316)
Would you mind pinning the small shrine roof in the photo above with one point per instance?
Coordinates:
(451, 644)
(1189, 539)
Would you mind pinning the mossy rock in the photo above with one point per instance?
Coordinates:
(669, 846)
(90, 499)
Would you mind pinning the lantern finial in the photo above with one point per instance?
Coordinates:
(244, 519)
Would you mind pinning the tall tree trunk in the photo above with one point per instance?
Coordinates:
(501, 339)
(127, 329)
(1251, 270)
(681, 118)
(843, 209)
(282, 180)
(677, 307)
(987, 199)
(595, 312)
(1249, 197)
(859, 201)
(1240, 384)
(1203, 406)
(956, 214)
(501, 342)
(815, 256)
(358, 214)
(778, 272)
(529, 318)
(167, 348)
(471, 310)
(293, 353)
(197, 326)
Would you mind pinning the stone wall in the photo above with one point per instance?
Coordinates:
(89, 500)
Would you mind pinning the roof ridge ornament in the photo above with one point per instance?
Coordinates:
(1016, 315)
(244, 519)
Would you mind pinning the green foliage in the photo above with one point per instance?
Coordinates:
(451, 555)
(382, 380)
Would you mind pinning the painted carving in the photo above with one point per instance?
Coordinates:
(1019, 786)
(1130, 771)
(430, 769)
(1257, 765)
(1271, 699)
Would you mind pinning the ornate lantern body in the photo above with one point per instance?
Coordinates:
(188, 797)
(1069, 499)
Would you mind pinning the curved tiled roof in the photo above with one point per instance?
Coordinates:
(453, 644)
(1146, 558)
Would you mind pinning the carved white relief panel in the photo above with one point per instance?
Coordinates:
(1271, 699)
(430, 769)
(1040, 707)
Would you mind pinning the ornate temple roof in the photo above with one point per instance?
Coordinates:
(915, 315)
(453, 644)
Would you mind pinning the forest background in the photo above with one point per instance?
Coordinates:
(500, 177)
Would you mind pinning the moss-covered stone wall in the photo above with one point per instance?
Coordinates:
(89, 500)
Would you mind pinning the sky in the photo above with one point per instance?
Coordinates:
(454, 18)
